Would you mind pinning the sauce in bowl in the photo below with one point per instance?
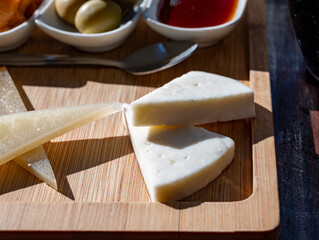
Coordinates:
(196, 13)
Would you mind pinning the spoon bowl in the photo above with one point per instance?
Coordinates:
(158, 57)
(146, 60)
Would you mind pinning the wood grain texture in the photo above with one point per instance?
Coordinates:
(314, 117)
(101, 189)
(295, 93)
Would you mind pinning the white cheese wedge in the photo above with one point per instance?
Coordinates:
(36, 160)
(21, 132)
(177, 161)
(195, 98)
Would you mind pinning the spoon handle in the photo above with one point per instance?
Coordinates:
(10, 59)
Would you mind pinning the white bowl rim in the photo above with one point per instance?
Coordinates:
(231, 22)
(85, 35)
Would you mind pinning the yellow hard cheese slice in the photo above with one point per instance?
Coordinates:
(36, 160)
(21, 132)
(178, 161)
(195, 98)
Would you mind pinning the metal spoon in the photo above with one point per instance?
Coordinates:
(146, 60)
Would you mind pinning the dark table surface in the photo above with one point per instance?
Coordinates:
(295, 96)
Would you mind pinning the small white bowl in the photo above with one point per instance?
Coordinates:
(50, 23)
(18, 35)
(204, 36)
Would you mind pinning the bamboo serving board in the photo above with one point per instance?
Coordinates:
(101, 191)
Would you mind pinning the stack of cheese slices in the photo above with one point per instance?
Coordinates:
(176, 159)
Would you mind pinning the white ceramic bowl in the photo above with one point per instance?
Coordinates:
(15, 37)
(50, 23)
(204, 36)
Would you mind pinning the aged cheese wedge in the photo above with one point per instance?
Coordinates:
(177, 161)
(21, 132)
(36, 160)
(195, 98)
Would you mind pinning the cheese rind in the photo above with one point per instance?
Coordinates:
(22, 132)
(177, 161)
(195, 98)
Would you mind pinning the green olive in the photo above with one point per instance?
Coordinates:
(96, 16)
(67, 9)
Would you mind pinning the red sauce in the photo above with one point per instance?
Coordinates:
(196, 13)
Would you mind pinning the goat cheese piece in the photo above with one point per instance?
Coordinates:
(195, 98)
(22, 132)
(177, 161)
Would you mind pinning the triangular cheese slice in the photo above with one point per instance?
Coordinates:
(177, 161)
(35, 161)
(21, 132)
(195, 98)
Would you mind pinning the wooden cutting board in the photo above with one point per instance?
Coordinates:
(101, 191)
